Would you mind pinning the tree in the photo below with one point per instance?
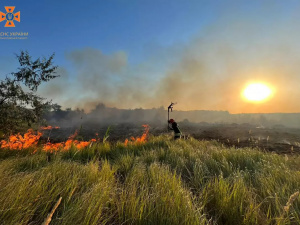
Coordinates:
(20, 108)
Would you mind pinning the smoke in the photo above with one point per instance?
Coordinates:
(58, 87)
(208, 72)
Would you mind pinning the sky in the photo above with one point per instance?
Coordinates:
(145, 54)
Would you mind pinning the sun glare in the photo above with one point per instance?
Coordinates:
(257, 92)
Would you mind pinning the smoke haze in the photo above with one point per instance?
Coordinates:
(207, 73)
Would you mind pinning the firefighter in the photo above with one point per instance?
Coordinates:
(173, 126)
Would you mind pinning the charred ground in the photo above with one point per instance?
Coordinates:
(278, 139)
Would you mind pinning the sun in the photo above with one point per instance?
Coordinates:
(257, 92)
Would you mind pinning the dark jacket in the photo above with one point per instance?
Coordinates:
(175, 128)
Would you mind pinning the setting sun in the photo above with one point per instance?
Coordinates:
(257, 92)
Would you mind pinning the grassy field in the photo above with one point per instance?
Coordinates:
(158, 182)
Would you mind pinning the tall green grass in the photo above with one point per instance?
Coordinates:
(158, 182)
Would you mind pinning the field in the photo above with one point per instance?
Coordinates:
(157, 181)
(279, 139)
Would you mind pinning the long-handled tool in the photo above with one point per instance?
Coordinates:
(170, 107)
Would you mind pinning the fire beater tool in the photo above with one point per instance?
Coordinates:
(170, 107)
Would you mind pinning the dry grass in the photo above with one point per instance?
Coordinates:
(158, 182)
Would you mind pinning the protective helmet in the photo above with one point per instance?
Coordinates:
(171, 121)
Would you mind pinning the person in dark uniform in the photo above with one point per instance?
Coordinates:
(174, 126)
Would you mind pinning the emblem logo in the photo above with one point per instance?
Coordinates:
(10, 16)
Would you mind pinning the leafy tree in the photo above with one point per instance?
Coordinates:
(20, 108)
(56, 107)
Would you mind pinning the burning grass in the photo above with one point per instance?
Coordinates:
(155, 182)
(30, 140)
(49, 128)
(19, 142)
(138, 140)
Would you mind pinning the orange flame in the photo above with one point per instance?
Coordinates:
(49, 128)
(76, 143)
(18, 142)
(139, 140)
(49, 147)
(30, 139)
